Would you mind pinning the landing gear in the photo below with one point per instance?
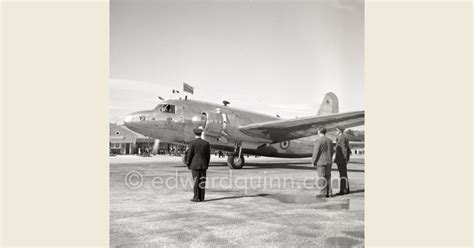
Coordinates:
(236, 160)
(184, 158)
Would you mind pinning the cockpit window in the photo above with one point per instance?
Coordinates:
(166, 108)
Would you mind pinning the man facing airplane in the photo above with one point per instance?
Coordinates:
(322, 160)
(341, 159)
(198, 157)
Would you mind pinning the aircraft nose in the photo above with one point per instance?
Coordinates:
(137, 120)
(128, 119)
(131, 120)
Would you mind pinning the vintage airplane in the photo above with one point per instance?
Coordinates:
(240, 131)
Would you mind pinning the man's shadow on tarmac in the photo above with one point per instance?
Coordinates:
(264, 195)
(356, 191)
(236, 197)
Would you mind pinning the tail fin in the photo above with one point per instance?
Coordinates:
(329, 105)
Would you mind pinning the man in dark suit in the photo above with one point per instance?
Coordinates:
(341, 159)
(322, 160)
(198, 157)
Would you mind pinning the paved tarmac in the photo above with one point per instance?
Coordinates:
(270, 202)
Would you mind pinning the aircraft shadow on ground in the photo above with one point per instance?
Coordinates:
(254, 166)
(293, 165)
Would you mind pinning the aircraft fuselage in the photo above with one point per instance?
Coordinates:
(173, 121)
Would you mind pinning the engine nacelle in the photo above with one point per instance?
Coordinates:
(223, 127)
(213, 125)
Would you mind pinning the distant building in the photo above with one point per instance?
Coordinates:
(124, 141)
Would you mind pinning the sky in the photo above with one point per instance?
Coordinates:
(274, 57)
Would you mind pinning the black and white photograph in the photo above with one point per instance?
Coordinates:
(236, 123)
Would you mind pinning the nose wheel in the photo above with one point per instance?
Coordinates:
(236, 160)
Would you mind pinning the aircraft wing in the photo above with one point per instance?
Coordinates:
(283, 130)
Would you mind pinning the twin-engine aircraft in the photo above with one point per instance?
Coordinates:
(240, 131)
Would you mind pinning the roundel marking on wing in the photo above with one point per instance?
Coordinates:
(285, 144)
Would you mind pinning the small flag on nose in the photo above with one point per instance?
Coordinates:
(188, 88)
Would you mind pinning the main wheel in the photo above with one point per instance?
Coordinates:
(235, 162)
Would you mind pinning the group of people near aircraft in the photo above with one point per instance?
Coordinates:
(323, 159)
(199, 152)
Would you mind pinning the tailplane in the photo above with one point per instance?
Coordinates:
(329, 105)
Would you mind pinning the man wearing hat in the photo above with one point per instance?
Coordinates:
(198, 157)
(341, 159)
(322, 160)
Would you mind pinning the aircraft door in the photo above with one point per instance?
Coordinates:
(186, 119)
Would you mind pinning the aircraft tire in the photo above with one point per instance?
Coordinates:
(234, 162)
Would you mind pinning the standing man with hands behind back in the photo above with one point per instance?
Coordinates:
(198, 157)
(322, 160)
